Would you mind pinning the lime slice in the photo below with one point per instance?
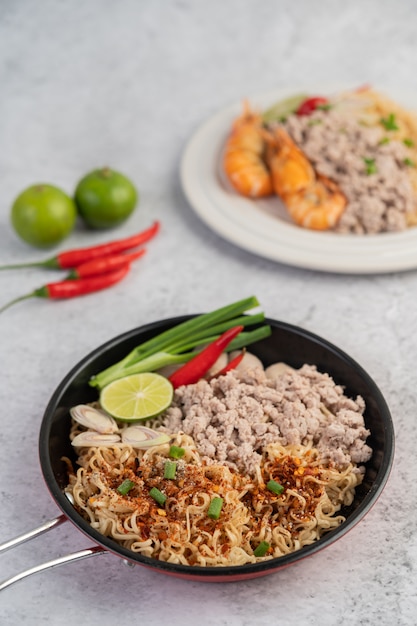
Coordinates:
(137, 397)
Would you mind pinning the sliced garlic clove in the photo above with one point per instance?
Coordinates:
(218, 365)
(249, 361)
(92, 418)
(167, 370)
(90, 438)
(142, 437)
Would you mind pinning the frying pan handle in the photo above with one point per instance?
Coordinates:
(33, 533)
(68, 558)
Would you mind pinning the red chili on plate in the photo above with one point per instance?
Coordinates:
(311, 104)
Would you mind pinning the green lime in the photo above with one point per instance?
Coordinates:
(137, 397)
(43, 215)
(105, 198)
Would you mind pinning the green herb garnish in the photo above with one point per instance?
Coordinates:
(170, 470)
(125, 487)
(384, 140)
(408, 142)
(158, 496)
(261, 549)
(409, 162)
(370, 166)
(176, 452)
(275, 487)
(315, 122)
(389, 122)
(215, 507)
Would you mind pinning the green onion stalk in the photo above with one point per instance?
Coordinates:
(179, 344)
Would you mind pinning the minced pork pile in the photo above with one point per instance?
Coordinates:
(233, 417)
(370, 170)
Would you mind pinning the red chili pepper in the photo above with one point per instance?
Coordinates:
(308, 106)
(73, 258)
(74, 288)
(104, 264)
(231, 365)
(195, 369)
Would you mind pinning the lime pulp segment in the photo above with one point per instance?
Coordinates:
(137, 397)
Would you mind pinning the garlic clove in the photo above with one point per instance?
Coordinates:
(249, 361)
(94, 419)
(218, 365)
(142, 437)
(90, 438)
(276, 370)
(167, 370)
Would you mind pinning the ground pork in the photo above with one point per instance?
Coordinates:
(371, 170)
(233, 417)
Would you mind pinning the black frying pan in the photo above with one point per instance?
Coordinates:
(287, 343)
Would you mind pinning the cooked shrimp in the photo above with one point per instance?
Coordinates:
(318, 206)
(244, 156)
(313, 200)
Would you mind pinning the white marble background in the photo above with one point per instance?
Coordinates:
(126, 83)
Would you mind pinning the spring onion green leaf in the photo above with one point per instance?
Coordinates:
(215, 507)
(275, 487)
(170, 470)
(176, 452)
(409, 162)
(408, 142)
(125, 487)
(158, 496)
(180, 343)
(261, 549)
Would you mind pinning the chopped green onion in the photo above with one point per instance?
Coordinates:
(215, 507)
(158, 496)
(370, 166)
(389, 122)
(408, 142)
(315, 122)
(176, 452)
(125, 487)
(170, 470)
(275, 487)
(409, 162)
(384, 140)
(261, 549)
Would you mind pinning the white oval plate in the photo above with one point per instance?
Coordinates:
(261, 226)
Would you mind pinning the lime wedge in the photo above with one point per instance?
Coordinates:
(137, 397)
(280, 110)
